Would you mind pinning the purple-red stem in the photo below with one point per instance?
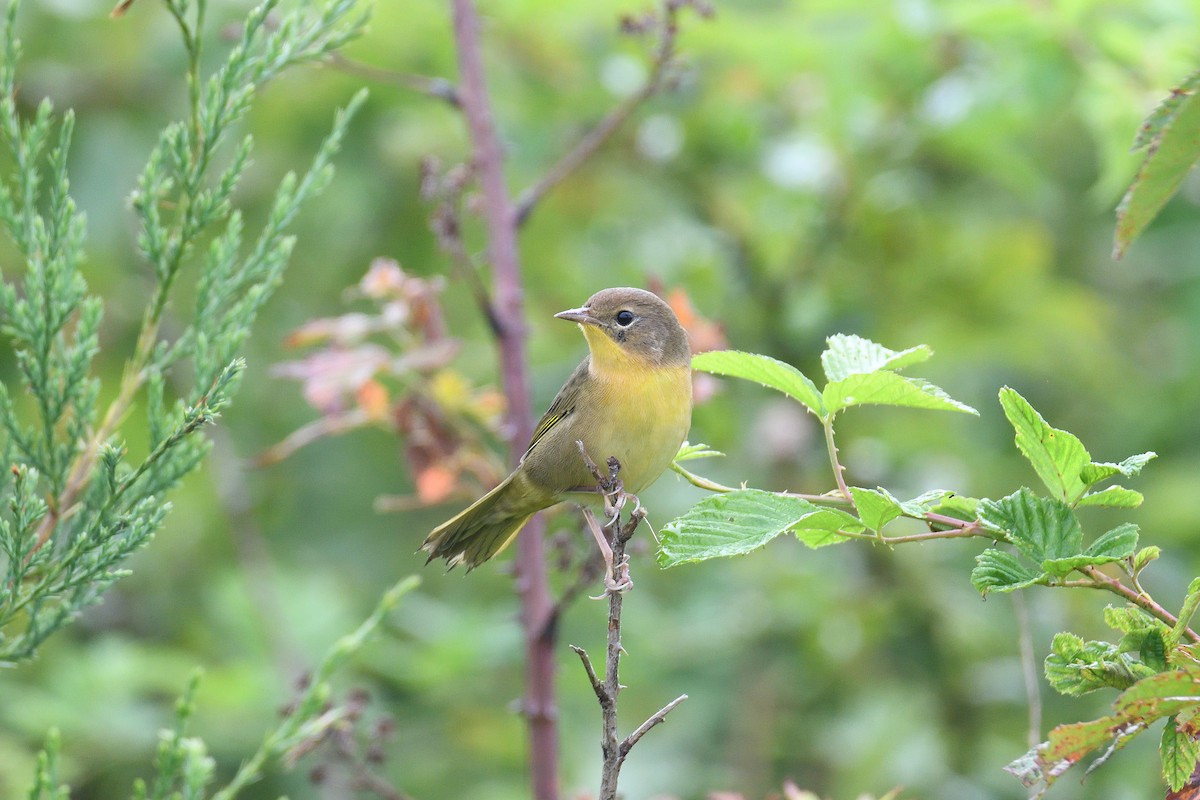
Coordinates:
(532, 585)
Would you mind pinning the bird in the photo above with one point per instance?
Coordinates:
(630, 398)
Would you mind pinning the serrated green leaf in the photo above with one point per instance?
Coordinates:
(1042, 528)
(1160, 695)
(927, 501)
(821, 529)
(1152, 649)
(999, 571)
(847, 354)
(1120, 542)
(763, 370)
(1165, 112)
(1144, 557)
(1115, 545)
(1172, 148)
(888, 389)
(1057, 456)
(1070, 743)
(738, 522)
(876, 507)
(1112, 497)
(1130, 619)
(957, 506)
(1102, 470)
(1179, 753)
(1075, 667)
(690, 452)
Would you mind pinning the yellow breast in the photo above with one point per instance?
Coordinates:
(641, 413)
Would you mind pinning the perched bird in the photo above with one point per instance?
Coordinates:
(631, 398)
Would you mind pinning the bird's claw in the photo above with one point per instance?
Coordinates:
(616, 581)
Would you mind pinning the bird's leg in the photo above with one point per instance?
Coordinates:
(611, 582)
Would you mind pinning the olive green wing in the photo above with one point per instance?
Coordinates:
(562, 407)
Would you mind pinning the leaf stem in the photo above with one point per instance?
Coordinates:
(838, 469)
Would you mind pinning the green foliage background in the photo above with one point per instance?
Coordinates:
(914, 172)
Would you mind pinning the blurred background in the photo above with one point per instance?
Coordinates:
(910, 171)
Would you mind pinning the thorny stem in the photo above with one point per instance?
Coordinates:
(1098, 580)
(532, 582)
(838, 469)
(613, 749)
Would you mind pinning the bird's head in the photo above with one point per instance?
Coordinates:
(623, 324)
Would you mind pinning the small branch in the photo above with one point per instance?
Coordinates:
(615, 750)
(958, 533)
(437, 88)
(597, 686)
(660, 65)
(657, 718)
(1029, 670)
(1098, 580)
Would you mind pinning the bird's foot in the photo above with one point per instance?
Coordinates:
(616, 581)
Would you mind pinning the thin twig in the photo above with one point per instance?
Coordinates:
(1029, 670)
(597, 686)
(661, 63)
(657, 718)
(437, 88)
(1098, 580)
(608, 689)
(589, 569)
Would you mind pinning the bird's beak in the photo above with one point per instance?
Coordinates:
(581, 315)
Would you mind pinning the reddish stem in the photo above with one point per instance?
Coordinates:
(500, 221)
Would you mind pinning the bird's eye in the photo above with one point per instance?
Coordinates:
(624, 318)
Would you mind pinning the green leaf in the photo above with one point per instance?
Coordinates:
(876, 507)
(1112, 497)
(1116, 545)
(1068, 744)
(888, 389)
(1160, 695)
(1120, 542)
(1102, 470)
(1130, 619)
(998, 571)
(689, 451)
(1152, 649)
(1171, 136)
(1179, 753)
(738, 522)
(1144, 557)
(764, 370)
(825, 527)
(1165, 113)
(957, 506)
(848, 355)
(1042, 528)
(1057, 456)
(1075, 667)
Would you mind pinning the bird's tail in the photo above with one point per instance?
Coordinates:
(487, 526)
